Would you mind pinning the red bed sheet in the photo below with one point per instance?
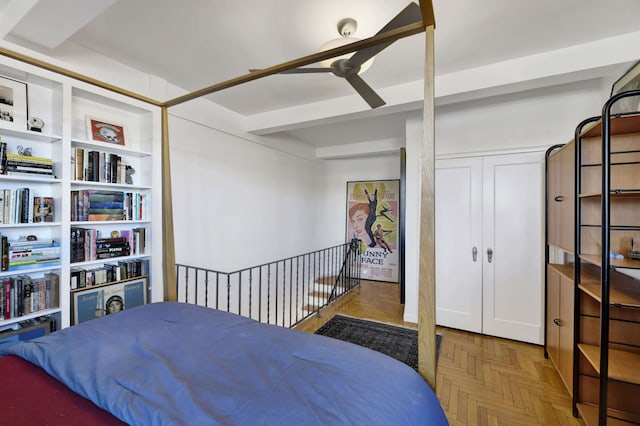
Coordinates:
(30, 396)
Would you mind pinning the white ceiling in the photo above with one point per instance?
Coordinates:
(195, 43)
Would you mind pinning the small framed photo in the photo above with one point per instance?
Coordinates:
(105, 131)
(97, 301)
(13, 104)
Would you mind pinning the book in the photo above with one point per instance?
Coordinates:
(79, 166)
(55, 289)
(28, 158)
(43, 209)
(3, 157)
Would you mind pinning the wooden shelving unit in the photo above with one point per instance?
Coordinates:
(607, 298)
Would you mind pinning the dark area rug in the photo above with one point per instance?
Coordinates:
(397, 342)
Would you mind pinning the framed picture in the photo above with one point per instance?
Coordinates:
(98, 301)
(373, 212)
(13, 104)
(105, 131)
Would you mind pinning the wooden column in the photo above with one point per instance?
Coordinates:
(427, 270)
(168, 251)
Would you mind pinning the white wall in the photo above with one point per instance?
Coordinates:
(237, 203)
(336, 173)
(535, 118)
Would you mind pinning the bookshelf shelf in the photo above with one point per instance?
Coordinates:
(119, 186)
(36, 314)
(110, 260)
(115, 149)
(30, 225)
(618, 263)
(30, 135)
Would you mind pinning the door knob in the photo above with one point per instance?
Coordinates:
(474, 253)
(489, 255)
(559, 198)
(557, 321)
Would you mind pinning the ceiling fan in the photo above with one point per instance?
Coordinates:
(348, 68)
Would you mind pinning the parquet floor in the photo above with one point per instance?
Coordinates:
(480, 380)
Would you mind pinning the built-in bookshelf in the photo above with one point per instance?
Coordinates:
(64, 142)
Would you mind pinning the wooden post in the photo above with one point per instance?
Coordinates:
(168, 250)
(427, 270)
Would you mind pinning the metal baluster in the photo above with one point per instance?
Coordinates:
(269, 294)
(250, 279)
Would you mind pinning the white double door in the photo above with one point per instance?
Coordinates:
(489, 245)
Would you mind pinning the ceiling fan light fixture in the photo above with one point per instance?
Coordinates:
(346, 28)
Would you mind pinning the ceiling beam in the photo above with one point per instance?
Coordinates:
(12, 13)
(31, 29)
(387, 37)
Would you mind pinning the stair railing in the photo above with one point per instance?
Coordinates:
(283, 292)
(345, 278)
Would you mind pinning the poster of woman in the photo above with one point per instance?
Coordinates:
(372, 218)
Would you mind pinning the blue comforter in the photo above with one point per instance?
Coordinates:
(170, 363)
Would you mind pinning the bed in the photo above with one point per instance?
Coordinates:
(174, 363)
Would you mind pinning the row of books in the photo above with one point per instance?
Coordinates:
(103, 205)
(24, 165)
(22, 206)
(109, 273)
(98, 166)
(22, 295)
(26, 254)
(87, 244)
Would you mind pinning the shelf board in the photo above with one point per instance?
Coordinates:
(27, 271)
(86, 183)
(109, 260)
(28, 134)
(619, 126)
(30, 225)
(589, 414)
(596, 259)
(620, 296)
(36, 314)
(108, 222)
(623, 366)
(29, 179)
(106, 147)
(588, 274)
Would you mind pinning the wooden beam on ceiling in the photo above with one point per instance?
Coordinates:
(387, 37)
(428, 16)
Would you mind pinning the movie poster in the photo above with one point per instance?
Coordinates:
(372, 217)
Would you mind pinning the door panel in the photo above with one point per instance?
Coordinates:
(458, 212)
(513, 231)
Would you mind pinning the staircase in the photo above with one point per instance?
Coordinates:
(318, 295)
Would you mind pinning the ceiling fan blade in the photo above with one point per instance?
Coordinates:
(303, 70)
(409, 15)
(367, 93)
